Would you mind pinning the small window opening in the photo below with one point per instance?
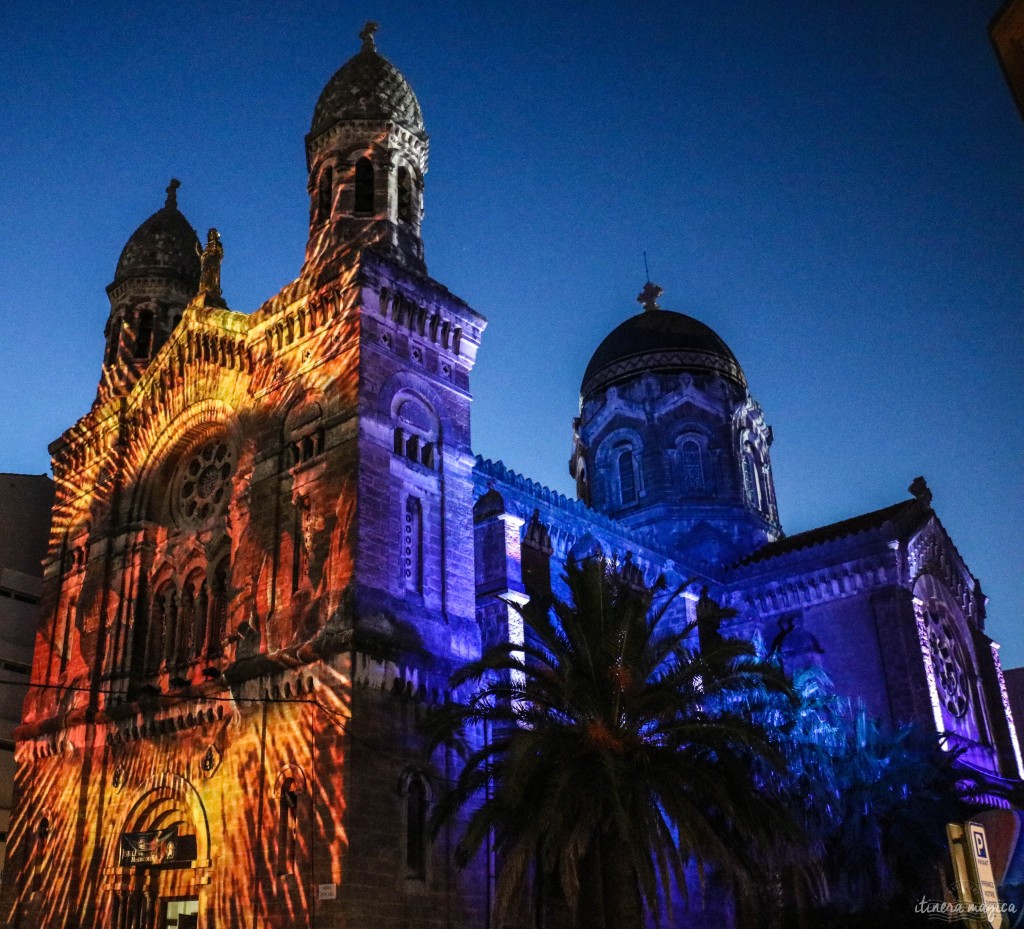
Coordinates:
(65, 642)
(404, 195)
(218, 610)
(286, 827)
(364, 186)
(161, 625)
(144, 336)
(627, 477)
(39, 848)
(416, 829)
(325, 194)
(113, 342)
(693, 468)
(750, 480)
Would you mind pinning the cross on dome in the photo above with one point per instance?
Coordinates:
(367, 35)
(172, 193)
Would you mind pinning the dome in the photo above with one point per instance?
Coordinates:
(165, 245)
(367, 86)
(659, 340)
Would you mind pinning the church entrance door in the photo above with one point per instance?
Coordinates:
(181, 914)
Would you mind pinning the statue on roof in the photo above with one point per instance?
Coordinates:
(209, 269)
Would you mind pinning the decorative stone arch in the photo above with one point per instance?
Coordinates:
(346, 165)
(691, 457)
(408, 182)
(951, 664)
(76, 543)
(413, 384)
(753, 437)
(189, 428)
(416, 428)
(288, 788)
(302, 429)
(417, 797)
(137, 887)
(323, 190)
(610, 464)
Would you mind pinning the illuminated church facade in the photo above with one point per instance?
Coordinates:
(272, 543)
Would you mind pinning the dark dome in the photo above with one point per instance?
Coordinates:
(165, 245)
(367, 86)
(659, 340)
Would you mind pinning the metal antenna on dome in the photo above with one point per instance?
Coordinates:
(647, 270)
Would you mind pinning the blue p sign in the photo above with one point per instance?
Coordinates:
(979, 843)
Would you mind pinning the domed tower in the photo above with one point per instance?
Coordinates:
(367, 153)
(156, 277)
(670, 440)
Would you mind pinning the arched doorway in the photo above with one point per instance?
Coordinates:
(161, 860)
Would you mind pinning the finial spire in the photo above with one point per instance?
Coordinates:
(367, 35)
(172, 194)
(648, 297)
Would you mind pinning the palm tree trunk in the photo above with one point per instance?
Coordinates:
(622, 908)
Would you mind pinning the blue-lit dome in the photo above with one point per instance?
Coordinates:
(659, 340)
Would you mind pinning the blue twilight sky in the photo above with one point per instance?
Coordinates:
(835, 187)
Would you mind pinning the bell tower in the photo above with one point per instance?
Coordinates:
(367, 154)
(156, 277)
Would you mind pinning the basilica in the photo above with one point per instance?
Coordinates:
(272, 543)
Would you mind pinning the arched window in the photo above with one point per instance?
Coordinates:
(140, 633)
(65, 639)
(627, 477)
(750, 479)
(200, 614)
(286, 826)
(364, 186)
(412, 545)
(183, 628)
(416, 828)
(325, 194)
(693, 467)
(162, 619)
(304, 432)
(113, 341)
(144, 334)
(404, 195)
(416, 433)
(218, 610)
(300, 542)
(39, 843)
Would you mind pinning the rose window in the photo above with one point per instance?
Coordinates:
(204, 482)
(948, 662)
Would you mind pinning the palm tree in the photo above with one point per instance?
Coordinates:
(615, 753)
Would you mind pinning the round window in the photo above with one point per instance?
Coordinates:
(948, 662)
(203, 484)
